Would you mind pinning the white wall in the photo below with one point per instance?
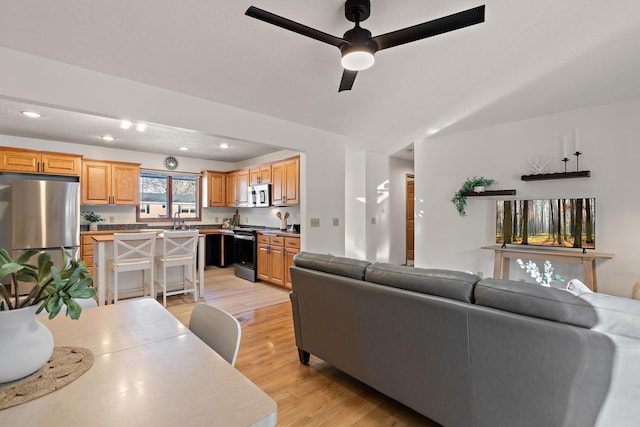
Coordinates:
(38, 80)
(376, 192)
(355, 205)
(609, 141)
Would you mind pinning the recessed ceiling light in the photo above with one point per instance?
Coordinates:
(141, 127)
(183, 148)
(108, 138)
(31, 114)
(125, 124)
(224, 146)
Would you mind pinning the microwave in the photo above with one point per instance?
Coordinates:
(260, 195)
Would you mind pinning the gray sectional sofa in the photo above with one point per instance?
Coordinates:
(469, 352)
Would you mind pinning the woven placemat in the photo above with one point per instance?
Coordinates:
(63, 367)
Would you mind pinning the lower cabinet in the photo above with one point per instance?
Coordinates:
(291, 248)
(86, 252)
(275, 255)
(218, 250)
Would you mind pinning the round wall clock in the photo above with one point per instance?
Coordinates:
(170, 162)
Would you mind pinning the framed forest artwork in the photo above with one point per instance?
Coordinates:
(565, 223)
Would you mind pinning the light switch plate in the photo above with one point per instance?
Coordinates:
(336, 222)
(314, 222)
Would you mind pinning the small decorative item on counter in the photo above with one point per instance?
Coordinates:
(93, 219)
(283, 220)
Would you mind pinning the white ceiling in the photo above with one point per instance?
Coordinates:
(529, 58)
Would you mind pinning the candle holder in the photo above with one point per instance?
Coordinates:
(577, 154)
(565, 160)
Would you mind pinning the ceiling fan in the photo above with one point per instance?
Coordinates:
(357, 46)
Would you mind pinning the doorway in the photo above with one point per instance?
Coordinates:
(410, 219)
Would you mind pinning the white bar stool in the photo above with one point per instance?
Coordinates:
(132, 252)
(178, 250)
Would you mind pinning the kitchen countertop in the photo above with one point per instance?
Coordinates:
(278, 233)
(227, 231)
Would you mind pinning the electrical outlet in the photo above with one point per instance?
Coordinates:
(336, 222)
(479, 274)
(217, 219)
(373, 220)
(246, 220)
(314, 222)
(112, 219)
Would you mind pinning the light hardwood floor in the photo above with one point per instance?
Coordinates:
(313, 395)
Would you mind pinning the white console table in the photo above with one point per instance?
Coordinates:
(587, 259)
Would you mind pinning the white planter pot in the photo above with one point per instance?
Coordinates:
(25, 344)
(479, 189)
(93, 226)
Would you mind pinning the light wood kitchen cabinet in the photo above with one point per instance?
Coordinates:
(285, 179)
(260, 175)
(86, 252)
(271, 259)
(30, 161)
(109, 183)
(291, 248)
(275, 256)
(237, 186)
(216, 189)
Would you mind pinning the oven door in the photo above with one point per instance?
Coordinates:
(244, 250)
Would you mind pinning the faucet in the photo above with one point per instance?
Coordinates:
(176, 220)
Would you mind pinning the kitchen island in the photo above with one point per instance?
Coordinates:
(103, 253)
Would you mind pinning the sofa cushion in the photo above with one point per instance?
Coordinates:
(534, 300)
(341, 266)
(618, 316)
(443, 283)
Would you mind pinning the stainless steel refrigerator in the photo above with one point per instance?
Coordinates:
(45, 216)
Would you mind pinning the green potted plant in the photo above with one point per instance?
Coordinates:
(470, 185)
(25, 343)
(93, 219)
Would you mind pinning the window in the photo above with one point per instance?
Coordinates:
(163, 195)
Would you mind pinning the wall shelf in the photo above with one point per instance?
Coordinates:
(559, 175)
(491, 193)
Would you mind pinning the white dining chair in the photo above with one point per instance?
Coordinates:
(218, 329)
(132, 252)
(178, 250)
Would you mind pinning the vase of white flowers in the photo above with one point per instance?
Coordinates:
(544, 278)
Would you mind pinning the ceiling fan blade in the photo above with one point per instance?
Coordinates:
(431, 28)
(348, 77)
(290, 25)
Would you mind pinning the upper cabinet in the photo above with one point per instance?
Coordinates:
(216, 189)
(109, 183)
(231, 188)
(237, 186)
(29, 161)
(285, 180)
(260, 175)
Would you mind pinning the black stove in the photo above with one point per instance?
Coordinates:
(245, 251)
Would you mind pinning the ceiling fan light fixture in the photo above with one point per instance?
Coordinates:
(357, 59)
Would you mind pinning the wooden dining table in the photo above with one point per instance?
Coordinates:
(101, 255)
(149, 370)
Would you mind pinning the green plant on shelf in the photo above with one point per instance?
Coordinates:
(460, 199)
